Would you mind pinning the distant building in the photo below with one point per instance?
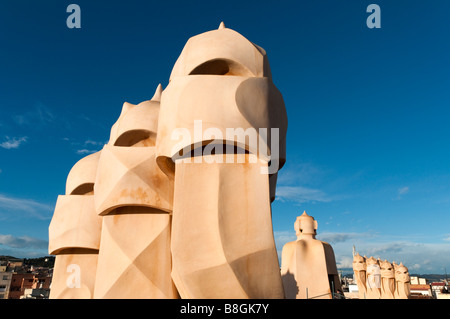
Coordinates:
(21, 278)
(415, 280)
(19, 283)
(5, 284)
(24, 285)
(421, 291)
(440, 290)
(420, 288)
(39, 293)
(42, 282)
(15, 265)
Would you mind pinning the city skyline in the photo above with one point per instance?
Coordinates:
(368, 136)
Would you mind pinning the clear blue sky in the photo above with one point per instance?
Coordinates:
(368, 151)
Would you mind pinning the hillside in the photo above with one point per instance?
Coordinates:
(46, 261)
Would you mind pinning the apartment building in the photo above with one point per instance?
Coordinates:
(5, 284)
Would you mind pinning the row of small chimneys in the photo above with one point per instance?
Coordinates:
(377, 279)
(383, 264)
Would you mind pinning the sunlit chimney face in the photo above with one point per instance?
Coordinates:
(387, 270)
(81, 178)
(137, 125)
(359, 263)
(305, 225)
(402, 274)
(221, 52)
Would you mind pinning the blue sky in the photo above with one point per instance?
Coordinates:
(368, 145)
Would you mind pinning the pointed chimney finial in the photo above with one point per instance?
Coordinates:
(222, 25)
(126, 107)
(157, 96)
